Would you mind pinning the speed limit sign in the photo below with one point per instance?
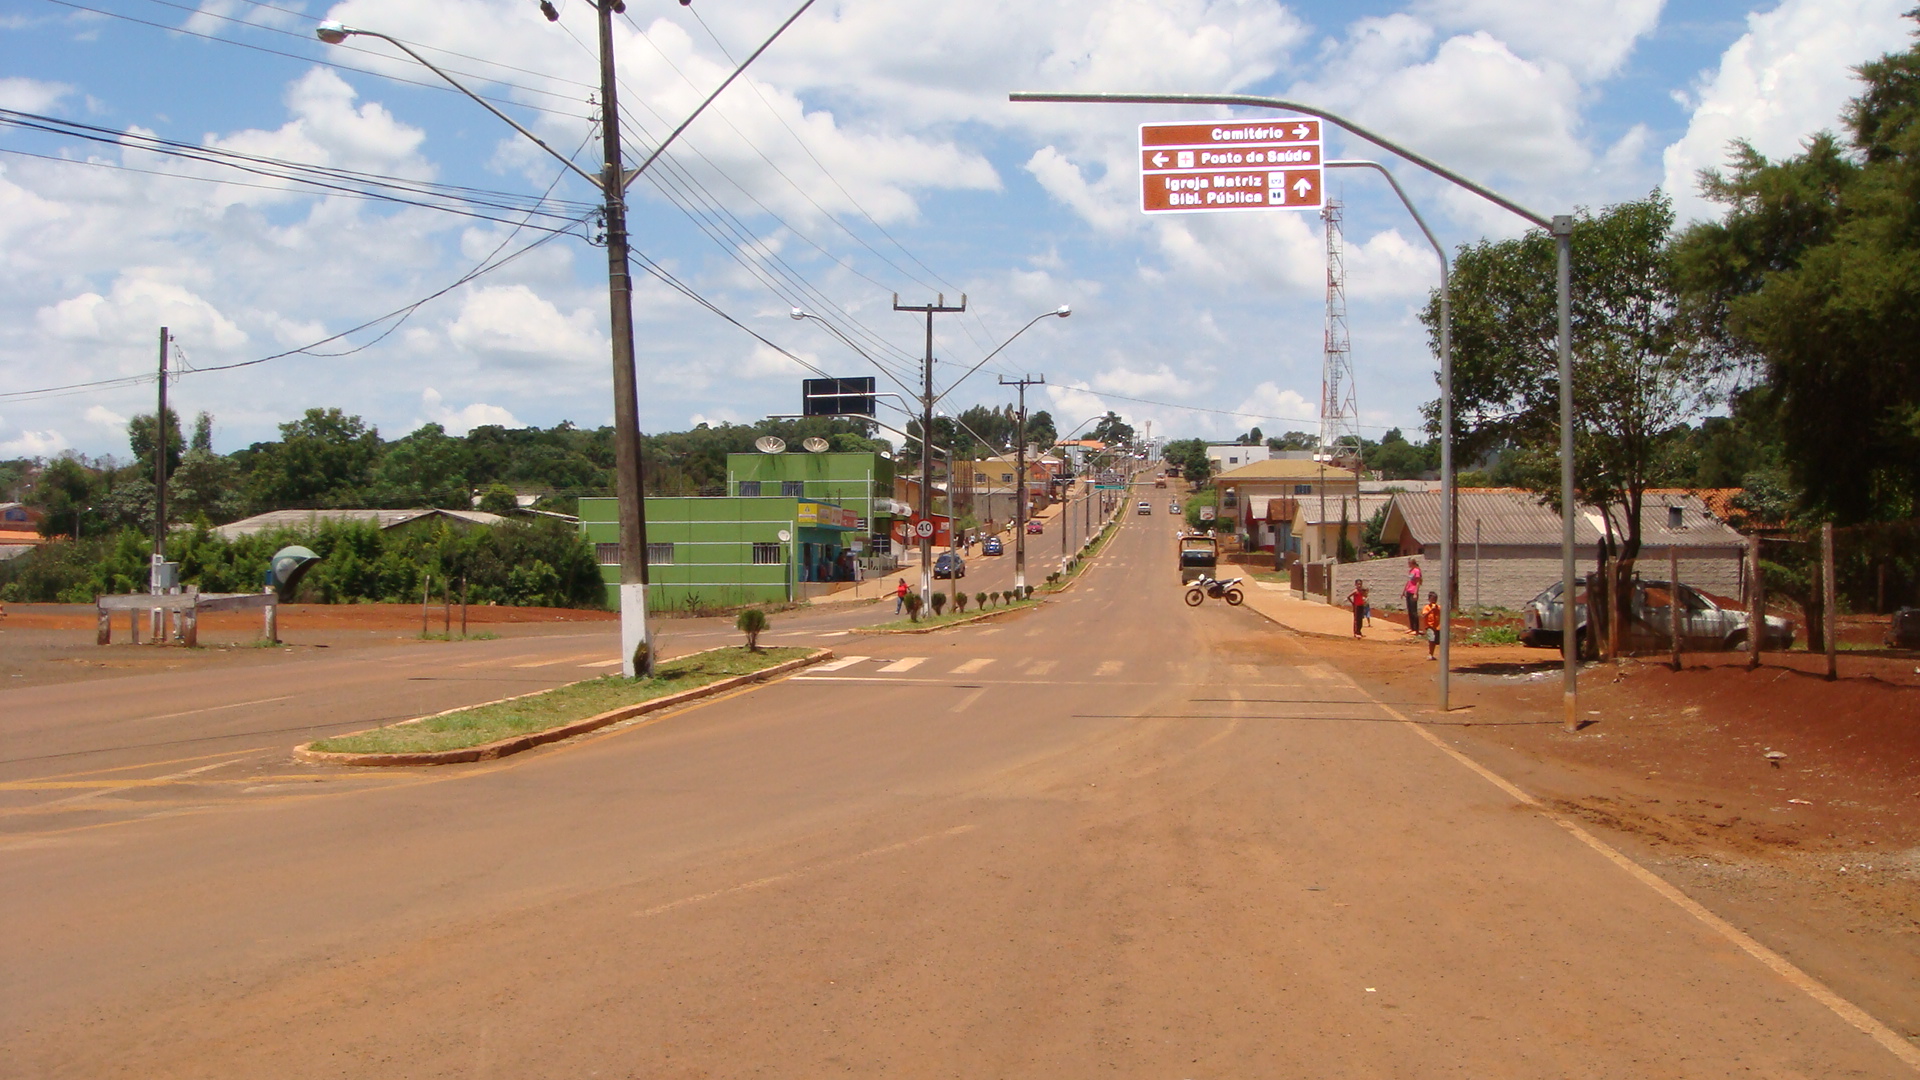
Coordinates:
(924, 528)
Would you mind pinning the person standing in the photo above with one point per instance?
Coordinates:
(1411, 591)
(1430, 623)
(1358, 599)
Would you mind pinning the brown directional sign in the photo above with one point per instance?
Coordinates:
(1193, 167)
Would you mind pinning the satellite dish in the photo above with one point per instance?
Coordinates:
(816, 445)
(770, 444)
(784, 535)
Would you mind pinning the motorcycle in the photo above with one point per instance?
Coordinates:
(1206, 587)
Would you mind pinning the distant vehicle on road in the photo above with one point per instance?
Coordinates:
(1705, 626)
(990, 546)
(949, 565)
(1199, 555)
(1202, 588)
(1035, 527)
(1173, 508)
(1159, 481)
(1146, 507)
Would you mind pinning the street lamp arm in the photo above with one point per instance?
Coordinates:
(1404, 201)
(801, 314)
(334, 33)
(1060, 312)
(1294, 106)
(855, 416)
(684, 124)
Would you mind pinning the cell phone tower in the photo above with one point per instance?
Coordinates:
(1339, 406)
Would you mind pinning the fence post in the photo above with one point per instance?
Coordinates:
(1830, 616)
(1673, 602)
(104, 634)
(426, 598)
(1756, 604)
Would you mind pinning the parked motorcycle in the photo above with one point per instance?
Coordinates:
(1206, 587)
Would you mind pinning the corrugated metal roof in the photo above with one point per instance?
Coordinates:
(1517, 518)
(313, 519)
(1284, 469)
(1309, 513)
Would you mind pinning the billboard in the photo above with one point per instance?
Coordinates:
(837, 397)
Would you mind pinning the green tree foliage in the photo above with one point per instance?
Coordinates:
(141, 439)
(1636, 378)
(1190, 457)
(1394, 458)
(427, 468)
(751, 622)
(323, 459)
(1294, 440)
(1113, 431)
(1813, 279)
(64, 492)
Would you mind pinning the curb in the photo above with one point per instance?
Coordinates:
(503, 747)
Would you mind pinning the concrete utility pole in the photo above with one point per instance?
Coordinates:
(160, 471)
(927, 398)
(1020, 480)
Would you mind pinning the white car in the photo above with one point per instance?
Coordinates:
(1146, 508)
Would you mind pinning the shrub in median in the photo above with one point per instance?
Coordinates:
(752, 622)
(981, 599)
(939, 603)
(913, 607)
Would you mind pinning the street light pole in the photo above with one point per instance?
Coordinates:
(1020, 481)
(939, 306)
(637, 653)
(1561, 226)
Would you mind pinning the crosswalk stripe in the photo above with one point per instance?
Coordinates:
(843, 662)
(905, 663)
(1041, 667)
(1109, 667)
(972, 666)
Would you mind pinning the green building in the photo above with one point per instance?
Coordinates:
(790, 525)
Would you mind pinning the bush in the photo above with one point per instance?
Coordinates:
(913, 607)
(981, 599)
(939, 603)
(960, 602)
(1053, 578)
(752, 622)
(1028, 592)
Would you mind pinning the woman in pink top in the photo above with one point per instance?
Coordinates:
(1411, 593)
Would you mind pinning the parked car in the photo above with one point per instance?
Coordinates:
(990, 546)
(1903, 630)
(949, 565)
(1035, 527)
(1705, 626)
(1146, 507)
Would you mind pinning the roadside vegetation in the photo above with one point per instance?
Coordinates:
(564, 705)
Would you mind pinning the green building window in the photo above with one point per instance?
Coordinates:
(749, 489)
(768, 555)
(607, 554)
(793, 489)
(659, 554)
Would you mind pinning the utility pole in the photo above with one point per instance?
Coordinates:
(938, 307)
(1020, 480)
(160, 471)
(636, 645)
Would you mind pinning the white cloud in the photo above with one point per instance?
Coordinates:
(514, 326)
(1591, 37)
(461, 421)
(31, 95)
(34, 444)
(129, 316)
(1787, 77)
(102, 416)
(1160, 382)
(1267, 405)
(1390, 266)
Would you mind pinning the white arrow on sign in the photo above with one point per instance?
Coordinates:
(1302, 186)
(1301, 131)
(1159, 161)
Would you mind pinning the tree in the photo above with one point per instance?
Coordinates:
(1636, 376)
(427, 468)
(1113, 431)
(499, 499)
(1294, 440)
(140, 437)
(1040, 430)
(1813, 280)
(1190, 457)
(323, 459)
(752, 622)
(1394, 458)
(65, 490)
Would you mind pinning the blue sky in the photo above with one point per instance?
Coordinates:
(872, 150)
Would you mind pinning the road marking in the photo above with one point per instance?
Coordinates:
(558, 660)
(837, 633)
(967, 702)
(1846, 1010)
(214, 708)
(988, 630)
(778, 879)
(905, 663)
(1109, 667)
(843, 662)
(1040, 667)
(603, 663)
(971, 666)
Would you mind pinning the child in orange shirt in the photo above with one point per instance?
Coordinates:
(1430, 623)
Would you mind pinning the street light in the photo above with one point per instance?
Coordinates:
(1561, 228)
(637, 652)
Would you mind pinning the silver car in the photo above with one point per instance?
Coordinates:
(1704, 625)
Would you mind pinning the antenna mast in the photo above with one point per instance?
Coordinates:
(1339, 406)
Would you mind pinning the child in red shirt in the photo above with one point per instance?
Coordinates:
(1358, 598)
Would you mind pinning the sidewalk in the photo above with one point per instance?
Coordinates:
(1276, 601)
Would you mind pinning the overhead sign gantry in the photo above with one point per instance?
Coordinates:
(1191, 167)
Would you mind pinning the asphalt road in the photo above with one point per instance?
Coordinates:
(1112, 836)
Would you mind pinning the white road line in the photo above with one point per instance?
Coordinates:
(843, 662)
(212, 708)
(905, 663)
(558, 660)
(1040, 667)
(1109, 667)
(971, 666)
(967, 702)
(603, 663)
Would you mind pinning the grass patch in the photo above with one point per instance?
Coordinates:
(930, 621)
(562, 705)
(1494, 635)
(477, 635)
(1272, 575)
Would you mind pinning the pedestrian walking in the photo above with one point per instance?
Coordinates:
(1430, 623)
(1358, 599)
(900, 596)
(1411, 590)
